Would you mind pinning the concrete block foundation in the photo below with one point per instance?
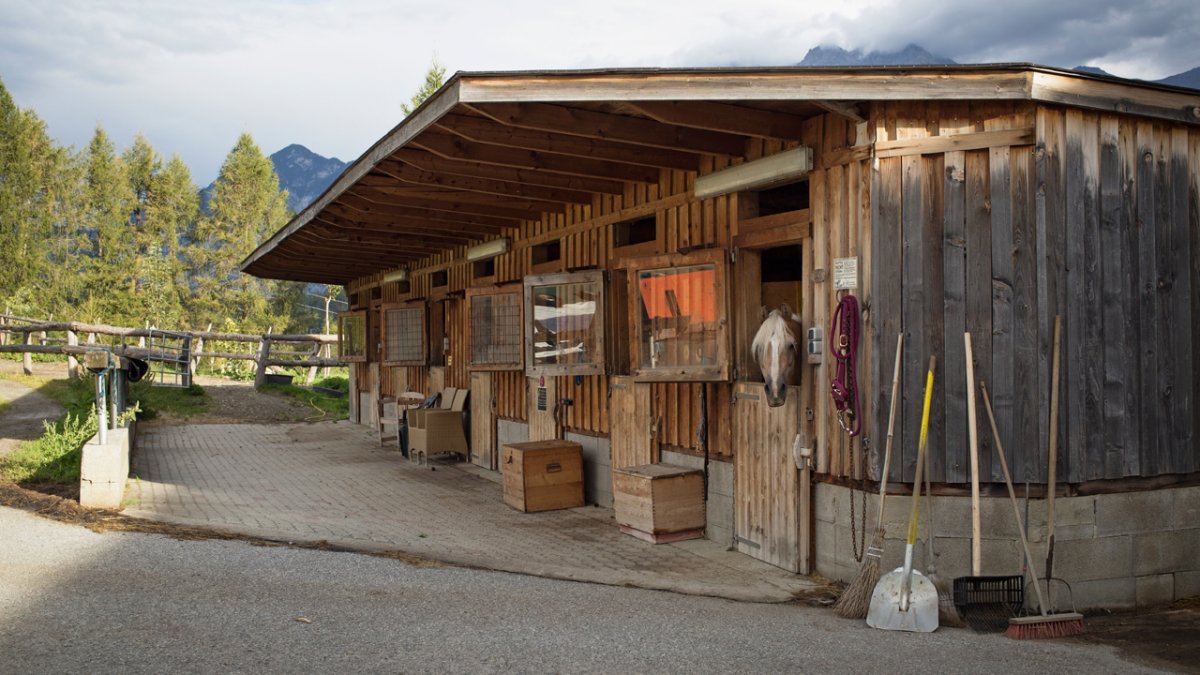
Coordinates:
(1117, 551)
(105, 469)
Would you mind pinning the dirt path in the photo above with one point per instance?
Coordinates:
(233, 402)
(23, 409)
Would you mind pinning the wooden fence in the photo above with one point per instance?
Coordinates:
(32, 336)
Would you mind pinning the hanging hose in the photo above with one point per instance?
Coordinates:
(702, 432)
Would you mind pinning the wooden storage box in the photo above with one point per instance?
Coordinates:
(543, 475)
(659, 502)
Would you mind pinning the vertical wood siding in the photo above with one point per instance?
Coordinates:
(1097, 221)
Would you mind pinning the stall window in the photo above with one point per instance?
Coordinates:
(403, 334)
(495, 328)
(564, 324)
(547, 256)
(638, 236)
(680, 328)
(352, 336)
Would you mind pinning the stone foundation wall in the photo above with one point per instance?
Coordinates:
(1116, 550)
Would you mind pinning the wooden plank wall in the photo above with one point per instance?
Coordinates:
(1093, 216)
(1129, 288)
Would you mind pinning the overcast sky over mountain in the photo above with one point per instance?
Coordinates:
(332, 74)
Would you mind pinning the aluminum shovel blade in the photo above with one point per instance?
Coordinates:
(885, 613)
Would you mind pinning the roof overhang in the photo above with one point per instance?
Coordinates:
(490, 151)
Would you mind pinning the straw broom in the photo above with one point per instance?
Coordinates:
(856, 599)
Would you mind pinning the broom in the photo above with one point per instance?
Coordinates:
(856, 599)
(1042, 625)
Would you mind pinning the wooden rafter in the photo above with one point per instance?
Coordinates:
(848, 109)
(462, 206)
(377, 232)
(406, 191)
(430, 162)
(414, 176)
(624, 128)
(368, 200)
(452, 147)
(724, 117)
(486, 130)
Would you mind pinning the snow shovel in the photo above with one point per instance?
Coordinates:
(905, 599)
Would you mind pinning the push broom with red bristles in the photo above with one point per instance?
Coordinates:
(1041, 625)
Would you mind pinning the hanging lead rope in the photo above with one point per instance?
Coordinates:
(843, 335)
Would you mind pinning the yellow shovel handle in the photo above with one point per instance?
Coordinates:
(924, 438)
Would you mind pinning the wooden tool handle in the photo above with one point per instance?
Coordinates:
(891, 432)
(973, 431)
(1052, 479)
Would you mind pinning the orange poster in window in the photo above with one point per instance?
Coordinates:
(687, 292)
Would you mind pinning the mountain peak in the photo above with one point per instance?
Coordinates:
(304, 174)
(910, 55)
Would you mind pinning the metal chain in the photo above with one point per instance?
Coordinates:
(858, 539)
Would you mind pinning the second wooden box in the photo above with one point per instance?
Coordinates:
(543, 475)
(659, 502)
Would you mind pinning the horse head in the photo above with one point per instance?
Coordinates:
(774, 348)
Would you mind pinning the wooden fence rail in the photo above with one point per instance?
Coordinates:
(30, 336)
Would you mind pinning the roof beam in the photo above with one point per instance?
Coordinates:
(414, 176)
(384, 222)
(334, 223)
(450, 206)
(723, 117)
(402, 192)
(368, 200)
(624, 128)
(486, 130)
(430, 162)
(848, 109)
(452, 147)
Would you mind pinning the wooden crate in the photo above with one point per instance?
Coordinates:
(659, 502)
(543, 475)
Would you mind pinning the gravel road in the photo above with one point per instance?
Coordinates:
(72, 601)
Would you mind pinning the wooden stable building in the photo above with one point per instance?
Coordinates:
(590, 253)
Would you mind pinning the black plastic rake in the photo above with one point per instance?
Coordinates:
(987, 603)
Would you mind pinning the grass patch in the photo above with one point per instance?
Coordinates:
(330, 408)
(341, 384)
(177, 401)
(56, 456)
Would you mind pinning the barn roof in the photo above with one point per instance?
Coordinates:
(490, 150)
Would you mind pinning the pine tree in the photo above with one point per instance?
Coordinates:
(34, 180)
(173, 208)
(106, 232)
(435, 77)
(247, 206)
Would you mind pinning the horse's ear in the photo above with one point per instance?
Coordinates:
(762, 312)
(784, 309)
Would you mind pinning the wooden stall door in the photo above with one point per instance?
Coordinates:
(630, 422)
(542, 425)
(768, 508)
(483, 421)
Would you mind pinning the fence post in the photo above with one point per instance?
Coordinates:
(27, 357)
(3, 331)
(264, 351)
(72, 362)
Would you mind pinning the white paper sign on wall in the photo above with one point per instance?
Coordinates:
(845, 273)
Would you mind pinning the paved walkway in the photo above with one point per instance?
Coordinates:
(312, 482)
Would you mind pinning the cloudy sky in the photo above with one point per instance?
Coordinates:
(332, 74)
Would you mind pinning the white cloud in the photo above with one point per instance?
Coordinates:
(331, 74)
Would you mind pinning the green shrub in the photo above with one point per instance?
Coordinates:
(56, 456)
